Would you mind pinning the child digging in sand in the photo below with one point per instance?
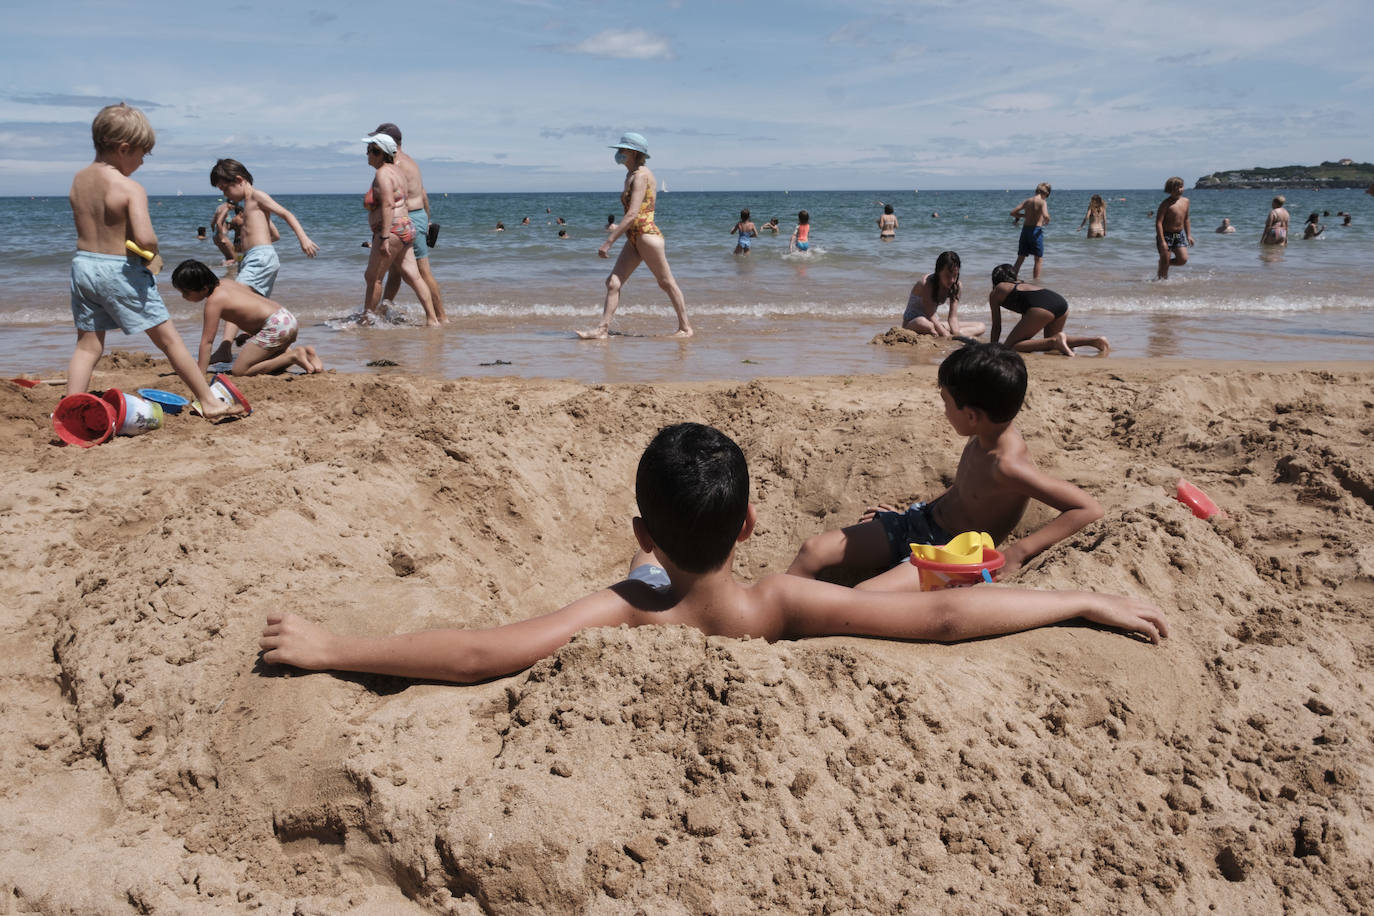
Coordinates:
(693, 493)
(112, 288)
(982, 386)
(272, 327)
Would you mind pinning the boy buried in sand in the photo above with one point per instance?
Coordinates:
(693, 493)
(112, 288)
(273, 327)
(1173, 227)
(982, 386)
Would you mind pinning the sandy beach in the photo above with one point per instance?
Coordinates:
(151, 763)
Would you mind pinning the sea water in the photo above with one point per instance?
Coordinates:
(515, 297)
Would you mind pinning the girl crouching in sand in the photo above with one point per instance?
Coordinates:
(272, 327)
(1040, 310)
(934, 288)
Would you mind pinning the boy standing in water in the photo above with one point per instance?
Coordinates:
(1173, 227)
(260, 263)
(112, 288)
(1035, 210)
(692, 487)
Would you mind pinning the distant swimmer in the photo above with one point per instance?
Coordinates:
(643, 239)
(500, 227)
(801, 236)
(1035, 210)
(746, 232)
(1041, 310)
(1276, 224)
(1173, 228)
(1314, 228)
(1226, 227)
(772, 226)
(887, 224)
(1096, 218)
(939, 286)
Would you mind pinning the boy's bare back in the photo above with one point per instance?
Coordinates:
(241, 305)
(109, 208)
(1035, 210)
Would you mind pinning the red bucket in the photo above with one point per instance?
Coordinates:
(83, 420)
(935, 576)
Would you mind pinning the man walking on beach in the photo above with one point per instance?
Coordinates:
(417, 205)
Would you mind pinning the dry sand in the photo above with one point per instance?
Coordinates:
(150, 763)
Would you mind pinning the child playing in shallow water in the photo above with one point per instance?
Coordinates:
(1313, 228)
(272, 327)
(746, 230)
(1035, 210)
(1173, 228)
(801, 236)
(1096, 218)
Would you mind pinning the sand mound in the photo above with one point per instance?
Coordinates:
(153, 764)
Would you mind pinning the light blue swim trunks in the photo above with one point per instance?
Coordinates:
(258, 269)
(420, 220)
(656, 577)
(114, 291)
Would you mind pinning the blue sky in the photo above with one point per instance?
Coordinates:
(525, 95)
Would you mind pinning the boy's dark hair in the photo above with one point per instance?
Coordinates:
(1003, 273)
(692, 487)
(744, 214)
(988, 376)
(228, 171)
(193, 276)
(803, 217)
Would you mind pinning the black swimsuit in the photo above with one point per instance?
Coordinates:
(1045, 299)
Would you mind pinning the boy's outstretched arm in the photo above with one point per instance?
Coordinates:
(1076, 510)
(461, 656)
(814, 608)
(271, 206)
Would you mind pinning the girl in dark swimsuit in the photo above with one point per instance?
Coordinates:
(1040, 310)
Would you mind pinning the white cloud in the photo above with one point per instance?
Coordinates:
(624, 44)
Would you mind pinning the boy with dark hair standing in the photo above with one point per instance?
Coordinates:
(1173, 228)
(982, 385)
(112, 288)
(692, 487)
(260, 263)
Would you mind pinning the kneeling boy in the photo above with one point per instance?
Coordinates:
(982, 385)
(272, 327)
(693, 493)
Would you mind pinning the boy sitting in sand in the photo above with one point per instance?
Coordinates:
(273, 327)
(982, 386)
(112, 288)
(692, 487)
(1035, 210)
(1173, 228)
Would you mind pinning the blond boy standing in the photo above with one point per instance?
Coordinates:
(112, 288)
(1173, 228)
(1035, 211)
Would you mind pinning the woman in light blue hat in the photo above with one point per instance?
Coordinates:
(643, 239)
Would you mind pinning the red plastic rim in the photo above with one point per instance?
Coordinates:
(992, 559)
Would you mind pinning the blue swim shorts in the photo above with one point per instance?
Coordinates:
(114, 291)
(914, 526)
(420, 220)
(258, 269)
(1032, 242)
(803, 246)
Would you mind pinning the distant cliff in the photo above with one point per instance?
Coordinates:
(1343, 174)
